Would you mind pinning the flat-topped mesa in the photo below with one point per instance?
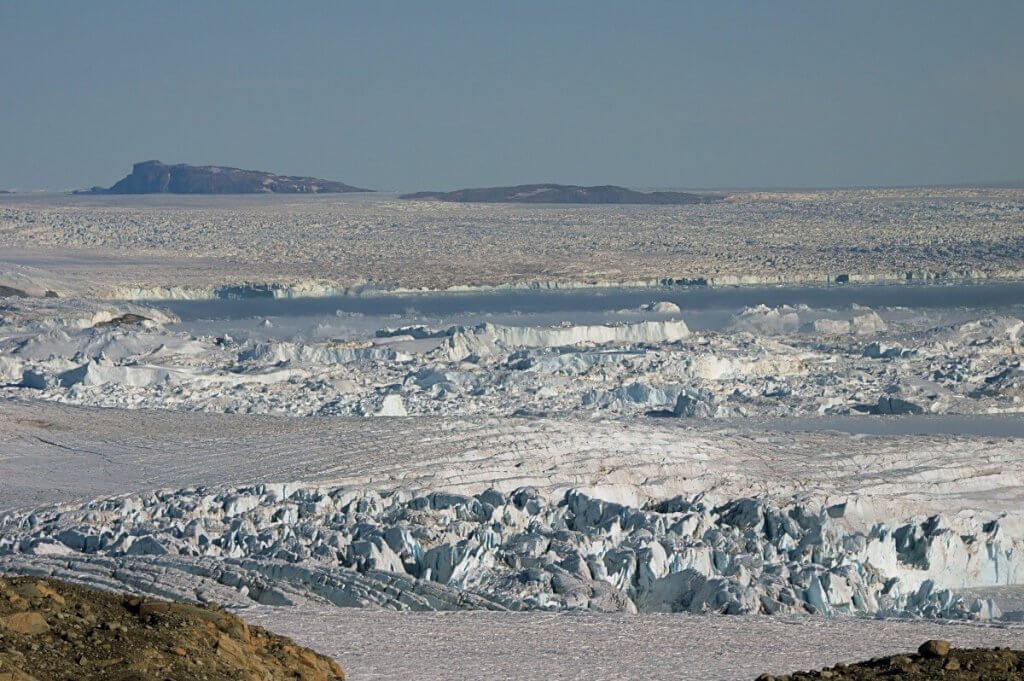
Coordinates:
(154, 177)
(562, 193)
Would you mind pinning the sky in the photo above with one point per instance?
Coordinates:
(443, 94)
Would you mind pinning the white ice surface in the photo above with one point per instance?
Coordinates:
(151, 247)
(82, 352)
(478, 645)
(187, 246)
(51, 453)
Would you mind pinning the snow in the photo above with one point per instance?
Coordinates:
(640, 332)
(758, 366)
(642, 456)
(189, 247)
(525, 550)
(392, 405)
(865, 513)
(53, 453)
(602, 647)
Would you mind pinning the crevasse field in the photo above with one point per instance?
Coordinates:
(608, 442)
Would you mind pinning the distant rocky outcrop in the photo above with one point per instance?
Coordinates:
(562, 193)
(154, 177)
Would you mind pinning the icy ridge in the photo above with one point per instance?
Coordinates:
(327, 289)
(557, 336)
(518, 551)
(767, 362)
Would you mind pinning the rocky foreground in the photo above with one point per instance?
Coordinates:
(154, 177)
(935, 659)
(51, 630)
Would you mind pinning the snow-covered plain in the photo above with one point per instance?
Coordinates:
(164, 246)
(859, 481)
(587, 470)
(54, 453)
(377, 644)
(58, 454)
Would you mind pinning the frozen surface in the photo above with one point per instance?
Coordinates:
(666, 647)
(589, 549)
(768, 362)
(648, 444)
(51, 453)
(54, 454)
(191, 246)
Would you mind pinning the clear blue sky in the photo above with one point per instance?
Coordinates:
(438, 94)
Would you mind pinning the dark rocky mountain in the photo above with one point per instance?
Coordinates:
(154, 177)
(561, 193)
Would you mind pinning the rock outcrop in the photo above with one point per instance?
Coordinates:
(561, 193)
(55, 630)
(935, 659)
(154, 177)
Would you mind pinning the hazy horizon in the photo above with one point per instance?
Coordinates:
(80, 189)
(408, 96)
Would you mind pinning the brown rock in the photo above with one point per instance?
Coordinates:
(962, 664)
(934, 648)
(39, 589)
(16, 675)
(148, 608)
(233, 651)
(103, 637)
(27, 623)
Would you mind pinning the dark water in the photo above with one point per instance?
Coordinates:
(695, 302)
